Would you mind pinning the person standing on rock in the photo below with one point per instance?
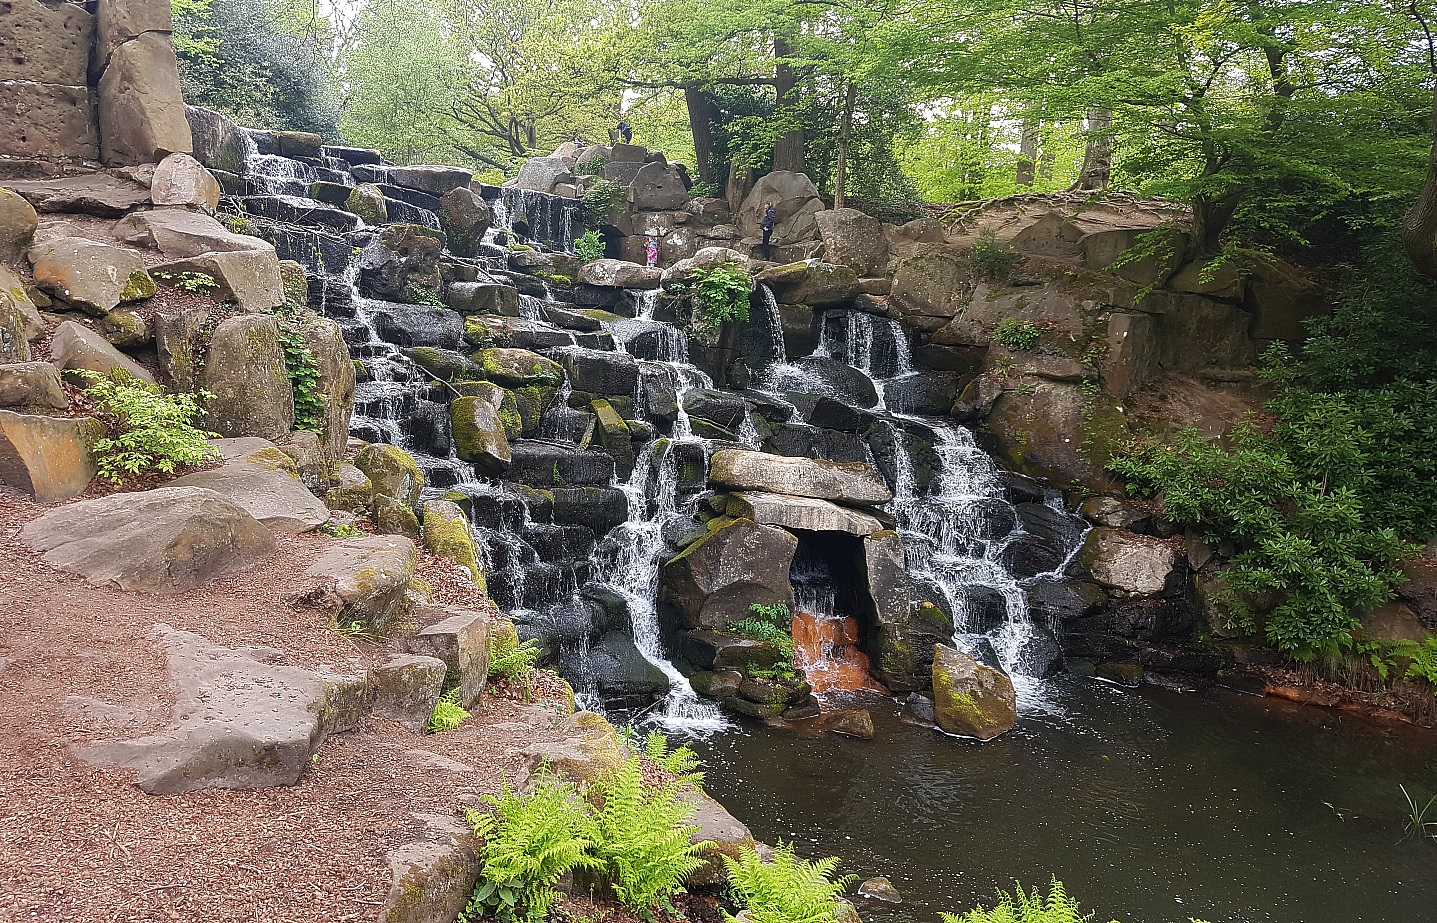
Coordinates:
(769, 222)
(626, 131)
(651, 251)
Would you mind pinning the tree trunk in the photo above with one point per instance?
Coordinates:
(1419, 227)
(1098, 158)
(840, 181)
(701, 123)
(788, 149)
(1028, 154)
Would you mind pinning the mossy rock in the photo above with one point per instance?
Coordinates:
(446, 535)
(532, 403)
(367, 201)
(443, 364)
(392, 471)
(518, 368)
(394, 518)
(971, 699)
(295, 282)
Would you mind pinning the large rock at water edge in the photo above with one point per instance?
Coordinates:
(275, 498)
(92, 276)
(142, 114)
(856, 484)
(392, 472)
(803, 513)
(365, 579)
(854, 239)
(465, 218)
(795, 200)
(970, 699)
(718, 578)
(48, 458)
(241, 720)
(164, 541)
(247, 379)
(620, 274)
(1135, 564)
(479, 435)
(180, 180)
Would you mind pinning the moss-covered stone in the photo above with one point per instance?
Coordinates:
(969, 698)
(518, 368)
(354, 493)
(447, 535)
(392, 471)
(294, 282)
(479, 435)
(394, 518)
(532, 402)
(138, 287)
(367, 201)
(443, 363)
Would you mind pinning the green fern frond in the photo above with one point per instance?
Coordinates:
(786, 890)
(643, 838)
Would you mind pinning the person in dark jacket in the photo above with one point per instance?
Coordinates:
(626, 132)
(770, 220)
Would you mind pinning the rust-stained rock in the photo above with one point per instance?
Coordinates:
(48, 458)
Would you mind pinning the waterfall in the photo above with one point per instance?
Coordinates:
(775, 325)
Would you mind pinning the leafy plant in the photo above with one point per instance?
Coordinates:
(594, 166)
(787, 889)
(423, 295)
(303, 370)
(1026, 907)
(770, 624)
(531, 840)
(601, 195)
(149, 429)
(991, 258)
(1417, 823)
(1017, 335)
(682, 761)
(196, 283)
(641, 835)
(590, 246)
(338, 530)
(448, 714)
(719, 293)
(512, 661)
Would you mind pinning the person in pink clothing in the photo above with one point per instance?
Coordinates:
(651, 251)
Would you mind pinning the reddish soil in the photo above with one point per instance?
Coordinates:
(81, 843)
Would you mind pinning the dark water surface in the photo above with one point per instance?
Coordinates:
(1151, 806)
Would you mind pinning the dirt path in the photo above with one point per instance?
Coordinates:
(79, 843)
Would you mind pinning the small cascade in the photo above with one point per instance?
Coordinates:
(271, 174)
(826, 643)
(538, 216)
(774, 321)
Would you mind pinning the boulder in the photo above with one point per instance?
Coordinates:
(179, 233)
(540, 174)
(249, 278)
(902, 635)
(243, 719)
(92, 276)
(98, 194)
(17, 226)
(245, 373)
(620, 274)
(181, 180)
(179, 341)
(931, 287)
(416, 324)
(302, 145)
(483, 298)
(740, 564)
(142, 114)
(1135, 564)
(367, 201)
(335, 386)
(75, 348)
(32, 384)
(353, 493)
(813, 283)
(1051, 430)
(365, 579)
(217, 142)
(854, 239)
(970, 699)
(48, 458)
(800, 513)
(298, 210)
(392, 472)
(401, 261)
(461, 640)
(795, 200)
(45, 44)
(725, 835)
(405, 688)
(831, 377)
(163, 541)
(465, 218)
(447, 535)
(724, 652)
(479, 435)
(591, 753)
(276, 499)
(707, 258)
(621, 671)
(856, 484)
(56, 120)
(1164, 253)
(433, 878)
(432, 179)
(19, 319)
(520, 368)
(656, 187)
(880, 889)
(120, 21)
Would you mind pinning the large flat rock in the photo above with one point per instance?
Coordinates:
(800, 513)
(243, 719)
(273, 497)
(98, 194)
(48, 458)
(366, 578)
(179, 234)
(161, 541)
(855, 483)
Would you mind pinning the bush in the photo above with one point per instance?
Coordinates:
(600, 196)
(641, 836)
(769, 624)
(720, 294)
(992, 259)
(786, 890)
(590, 246)
(149, 429)
(1026, 907)
(1017, 335)
(512, 661)
(448, 714)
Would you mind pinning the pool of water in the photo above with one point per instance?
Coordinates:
(1151, 806)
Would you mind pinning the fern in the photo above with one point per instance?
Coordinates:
(786, 890)
(642, 838)
(531, 841)
(1026, 907)
(512, 661)
(683, 762)
(448, 713)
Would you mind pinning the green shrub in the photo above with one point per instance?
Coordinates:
(600, 196)
(594, 166)
(991, 258)
(303, 370)
(769, 624)
(1026, 907)
(513, 662)
(531, 840)
(149, 429)
(1017, 335)
(448, 714)
(641, 836)
(786, 890)
(683, 762)
(196, 283)
(590, 246)
(719, 293)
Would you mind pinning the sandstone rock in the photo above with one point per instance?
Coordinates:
(48, 458)
(19, 320)
(800, 513)
(142, 115)
(79, 348)
(850, 722)
(1051, 431)
(392, 472)
(1225, 281)
(178, 341)
(727, 834)
(432, 179)
(241, 720)
(403, 258)
(1113, 513)
(591, 754)
(92, 276)
(465, 218)
(367, 201)
(657, 186)
(394, 518)
(540, 174)
(250, 278)
(369, 575)
(707, 258)
(120, 21)
(180, 180)
(247, 379)
(902, 636)
(856, 483)
(447, 535)
(218, 143)
(1394, 621)
(814, 283)
(461, 641)
(353, 494)
(276, 499)
(716, 579)
(99, 194)
(17, 226)
(795, 200)
(628, 153)
(620, 274)
(520, 368)
(433, 878)
(45, 44)
(1104, 248)
(163, 541)
(1120, 560)
(932, 284)
(1420, 590)
(335, 386)
(299, 144)
(32, 384)
(854, 239)
(970, 699)
(405, 688)
(178, 233)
